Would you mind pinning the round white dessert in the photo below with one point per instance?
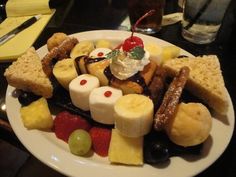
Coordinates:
(80, 89)
(101, 103)
(99, 52)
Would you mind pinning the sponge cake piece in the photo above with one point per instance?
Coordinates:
(205, 80)
(26, 73)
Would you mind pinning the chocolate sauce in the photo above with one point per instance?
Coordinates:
(135, 78)
(140, 80)
(182, 56)
(77, 61)
(88, 60)
(107, 72)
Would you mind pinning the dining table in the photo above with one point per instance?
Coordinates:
(74, 16)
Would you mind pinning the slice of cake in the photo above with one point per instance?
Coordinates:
(26, 73)
(205, 80)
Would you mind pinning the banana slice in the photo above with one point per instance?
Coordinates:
(133, 115)
(97, 69)
(65, 71)
(82, 48)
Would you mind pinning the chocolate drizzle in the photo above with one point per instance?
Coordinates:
(88, 60)
(108, 74)
(77, 61)
(140, 80)
(135, 78)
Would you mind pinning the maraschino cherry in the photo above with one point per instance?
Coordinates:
(134, 41)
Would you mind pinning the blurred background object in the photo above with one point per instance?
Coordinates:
(74, 16)
(202, 19)
(150, 24)
(2, 10)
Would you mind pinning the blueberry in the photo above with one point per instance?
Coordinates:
(159, 148)
(25, 98)
(156, 152)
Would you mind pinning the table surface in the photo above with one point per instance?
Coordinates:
(83, 15)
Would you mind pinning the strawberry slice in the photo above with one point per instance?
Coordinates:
(100, 140)
(65, 123)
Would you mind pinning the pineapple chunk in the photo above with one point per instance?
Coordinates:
(37, 115)
(170, 52)
(155, 52)
(125, 150)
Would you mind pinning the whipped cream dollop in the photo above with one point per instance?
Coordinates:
(124, 66)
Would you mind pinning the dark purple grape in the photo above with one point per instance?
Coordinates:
(159, 148)
(25, 98)
(156, 152)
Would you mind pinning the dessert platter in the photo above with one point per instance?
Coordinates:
(132, 114)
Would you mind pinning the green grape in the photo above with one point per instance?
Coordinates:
(79, 142)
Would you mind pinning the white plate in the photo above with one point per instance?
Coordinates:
(55, 153)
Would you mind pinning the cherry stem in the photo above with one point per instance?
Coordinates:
(149, 13)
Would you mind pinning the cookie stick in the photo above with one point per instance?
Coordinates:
(60, 52)
(156, 87)
(171, 99)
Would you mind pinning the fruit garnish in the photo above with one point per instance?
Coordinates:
(134, 41)
(108, 93)
(37, 115)
(137, 53)
(65, 123)
(25, 98)
(100, 54)
(100, 140)
(156, 152)
(125, 150)
(79, 142)
(159, 150)
(113, 54)
(82, 82)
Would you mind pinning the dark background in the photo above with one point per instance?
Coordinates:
(80, 15)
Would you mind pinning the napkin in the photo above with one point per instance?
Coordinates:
(12, 159)
(18, 11)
